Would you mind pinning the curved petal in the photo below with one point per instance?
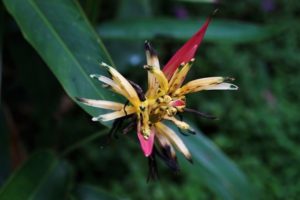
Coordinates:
(186, 52)
(123, 83)
(173, 138)
(110, 105)
(115, 115)
(152, 60)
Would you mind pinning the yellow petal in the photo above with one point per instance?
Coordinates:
(160, 77)
(173, 138)
(179, 76)
(115, 87)
(210, 83)
(123, 84)
(102, 104)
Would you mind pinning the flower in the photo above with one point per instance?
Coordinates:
(163, 101)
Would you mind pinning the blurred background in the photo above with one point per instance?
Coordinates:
(257, 42)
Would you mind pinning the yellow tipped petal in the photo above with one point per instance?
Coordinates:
(123, 84)
(198, 84)
(113, 85)
(173, 138)
(179, 76)
(160, 77)
(102, 104)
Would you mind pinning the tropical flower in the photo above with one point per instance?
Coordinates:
(163, 101)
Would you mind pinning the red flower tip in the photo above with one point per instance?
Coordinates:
(186, 52)
(177, 102)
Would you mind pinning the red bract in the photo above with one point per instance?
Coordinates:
(186, 52)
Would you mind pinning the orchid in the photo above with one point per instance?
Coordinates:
(164, 100)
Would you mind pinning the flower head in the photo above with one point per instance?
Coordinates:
(164, 99)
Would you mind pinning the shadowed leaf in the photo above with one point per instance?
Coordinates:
(219, 31)
(43, 177)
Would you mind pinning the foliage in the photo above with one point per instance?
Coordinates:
(257, 127)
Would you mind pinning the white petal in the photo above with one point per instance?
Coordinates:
(102, 104)
(114, 86)
(116, 114)
(222, 86)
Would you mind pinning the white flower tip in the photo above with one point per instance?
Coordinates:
(92, 75)
(94, 119)
(104, 64)
(234, 87)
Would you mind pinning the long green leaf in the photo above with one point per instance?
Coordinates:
(215, 170)
(61, 34)
(221, 31)
(42, 177)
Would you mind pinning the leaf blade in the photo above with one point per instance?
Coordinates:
(35, 179)
(215, 169)
(219, 31)
(61, 34)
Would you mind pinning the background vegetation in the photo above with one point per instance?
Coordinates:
(50, 148)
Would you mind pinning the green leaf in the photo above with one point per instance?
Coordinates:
(214, 169)
(133, 8)
(43, 177)
(63, 37)
(221, 31)
(88, 192)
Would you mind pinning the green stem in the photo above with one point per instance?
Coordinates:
(83, 142)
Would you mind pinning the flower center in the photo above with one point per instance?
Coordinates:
(164, 106)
